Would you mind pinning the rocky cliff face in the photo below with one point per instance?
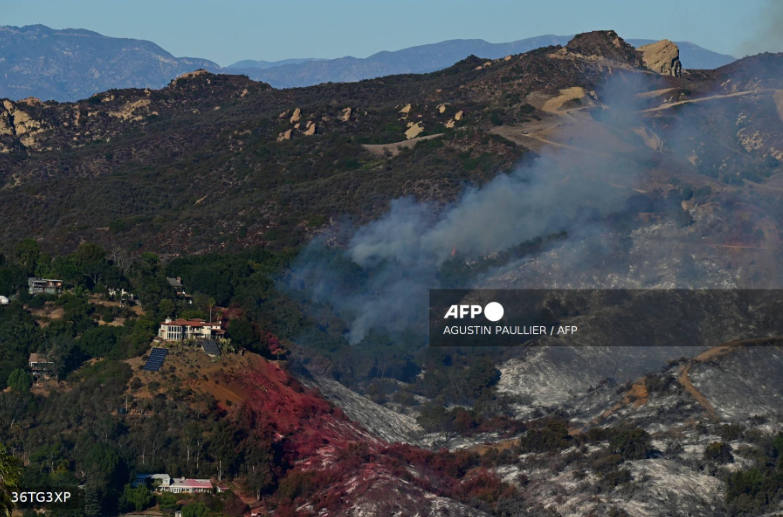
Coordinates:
(662, 57)
(605, 46)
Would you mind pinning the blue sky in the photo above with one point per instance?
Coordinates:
(226, 31)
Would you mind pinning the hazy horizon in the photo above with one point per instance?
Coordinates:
(272, 32)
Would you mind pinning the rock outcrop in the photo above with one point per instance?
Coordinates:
(603, 46)
(414, 130)
(662, 57)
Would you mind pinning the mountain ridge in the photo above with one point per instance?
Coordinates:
(441, 55)
(70, 64)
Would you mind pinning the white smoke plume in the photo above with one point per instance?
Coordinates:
(383, 275)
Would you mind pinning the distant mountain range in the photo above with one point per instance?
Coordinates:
(436, 56)
(265, 65)
(71, 64)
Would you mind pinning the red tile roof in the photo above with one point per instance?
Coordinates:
(185, 323)
(192, 483)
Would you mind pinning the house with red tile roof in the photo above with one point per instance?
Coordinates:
(164, 483)
(183, 330)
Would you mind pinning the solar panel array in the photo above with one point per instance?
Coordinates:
(210, 347)
(155, 361)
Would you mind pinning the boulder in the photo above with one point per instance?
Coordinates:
(662, 57)
(414, 131)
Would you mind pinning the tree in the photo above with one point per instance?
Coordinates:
(259, 461)
(435, 419)
(92, 502)
(242, 333)
(101, 464)
(194, 510)
(20, 380)
(91, 258)
(167, 307)
(211, 304)
(224, 451)
(273, 343)
(26, 254)
(10, 473)
(137, 498)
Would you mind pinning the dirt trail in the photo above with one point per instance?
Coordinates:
(502, 445)
(519, 135)
(703, 99)
(718, 351)
(653, 93)
(395, 147)
(685, 382)
(567, 94)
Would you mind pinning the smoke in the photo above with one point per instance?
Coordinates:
(767, 35)
(382, 277)
(546, 197)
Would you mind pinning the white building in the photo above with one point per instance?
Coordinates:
(181, 330)
(165, 483)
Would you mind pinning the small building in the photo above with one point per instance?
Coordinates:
(151, 480)
(176, 284)
(4, 300)
(182, 330)
(44, 285)
(40, 365)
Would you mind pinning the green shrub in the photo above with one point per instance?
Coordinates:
(719, 452)
(20, 380)
(632, 444)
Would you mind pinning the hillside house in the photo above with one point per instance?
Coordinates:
(40, 365)
(4, 300)
(176, 284)
(182, 330)
(44, 285)
(188, 486)
(165, 483)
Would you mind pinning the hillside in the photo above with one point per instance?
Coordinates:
(156, 167)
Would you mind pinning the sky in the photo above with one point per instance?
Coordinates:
(226, 31)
